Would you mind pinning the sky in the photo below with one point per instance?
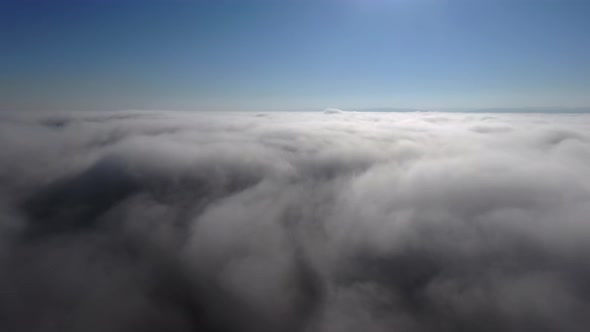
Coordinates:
(293, 54)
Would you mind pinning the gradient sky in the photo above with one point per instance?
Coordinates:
(291, 55)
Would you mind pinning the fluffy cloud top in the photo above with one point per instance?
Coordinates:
(417, 222)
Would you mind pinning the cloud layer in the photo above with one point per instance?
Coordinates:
(163, 221)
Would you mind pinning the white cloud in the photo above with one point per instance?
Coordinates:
(295, 221)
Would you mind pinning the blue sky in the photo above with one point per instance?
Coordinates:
(293, 55)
